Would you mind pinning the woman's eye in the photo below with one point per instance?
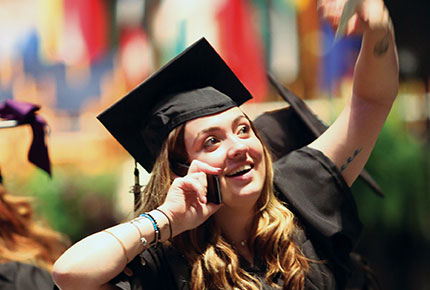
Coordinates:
(243, 130)
(210, 142)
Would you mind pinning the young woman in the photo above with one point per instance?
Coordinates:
(187, 114)
(28, 248)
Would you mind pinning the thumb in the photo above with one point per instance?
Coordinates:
(212, 208)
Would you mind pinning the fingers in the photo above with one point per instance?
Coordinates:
(193, 183)
(195, 180)
(198, 166)
(191, 190)
(353, 25)
(374, 15)
(365, 14)
(331, 10)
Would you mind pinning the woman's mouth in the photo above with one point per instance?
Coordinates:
(240, 171)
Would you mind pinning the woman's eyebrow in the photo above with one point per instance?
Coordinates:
(237, 120)
(207, 130)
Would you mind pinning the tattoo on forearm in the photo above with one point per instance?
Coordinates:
(381, 47)
(350, 158)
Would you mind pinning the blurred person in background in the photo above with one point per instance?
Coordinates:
(287, 225)
(28, 247)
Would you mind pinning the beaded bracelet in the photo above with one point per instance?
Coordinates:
(157, 235)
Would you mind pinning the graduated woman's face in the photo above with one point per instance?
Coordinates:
(226, 140)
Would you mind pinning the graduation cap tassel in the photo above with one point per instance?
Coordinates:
(137, 188)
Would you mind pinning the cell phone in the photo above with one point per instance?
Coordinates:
(214, 193)
(214, 189)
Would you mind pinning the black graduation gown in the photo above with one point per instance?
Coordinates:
(316, 192)
(20, 276)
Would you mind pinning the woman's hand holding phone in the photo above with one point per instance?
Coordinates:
(186, 202)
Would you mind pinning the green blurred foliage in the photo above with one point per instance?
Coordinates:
(399, 164)
(396, 235)
(74, 203)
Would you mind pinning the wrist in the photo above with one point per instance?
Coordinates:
(166, 228)
(177, 227)
(379, 27)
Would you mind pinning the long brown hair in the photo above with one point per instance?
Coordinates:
(23, 239)
(214, 261)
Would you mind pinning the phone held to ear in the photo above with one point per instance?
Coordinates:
(214, 189)
(214, 193)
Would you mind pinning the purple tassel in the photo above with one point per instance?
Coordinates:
(24, 113)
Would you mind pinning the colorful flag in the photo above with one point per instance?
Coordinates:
(241, 46)
(88, 21)
(50, 28)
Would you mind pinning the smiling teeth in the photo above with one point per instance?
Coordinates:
(242, 168)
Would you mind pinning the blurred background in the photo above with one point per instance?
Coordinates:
(75, 58)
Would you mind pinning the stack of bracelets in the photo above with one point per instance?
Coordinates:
(157, 231)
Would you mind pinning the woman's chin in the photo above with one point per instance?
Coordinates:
(241, 198)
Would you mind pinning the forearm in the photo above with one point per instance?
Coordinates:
(94, 261)
(348, 142)
(350, 139)
(376, 76)
(97, 259)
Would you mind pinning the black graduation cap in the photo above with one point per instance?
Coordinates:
(293, 127)
(196, 83)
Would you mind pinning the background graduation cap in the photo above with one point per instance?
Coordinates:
(15, 113)
(293, 127)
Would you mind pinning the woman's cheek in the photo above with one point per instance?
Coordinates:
(215, 159)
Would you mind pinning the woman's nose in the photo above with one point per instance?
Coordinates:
(237, 148)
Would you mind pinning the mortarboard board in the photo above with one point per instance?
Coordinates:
(196, 83)
(293, 127)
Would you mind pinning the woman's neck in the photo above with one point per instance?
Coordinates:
(236, 225)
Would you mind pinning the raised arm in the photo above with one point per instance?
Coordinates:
(95, 260)
(350, 139)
